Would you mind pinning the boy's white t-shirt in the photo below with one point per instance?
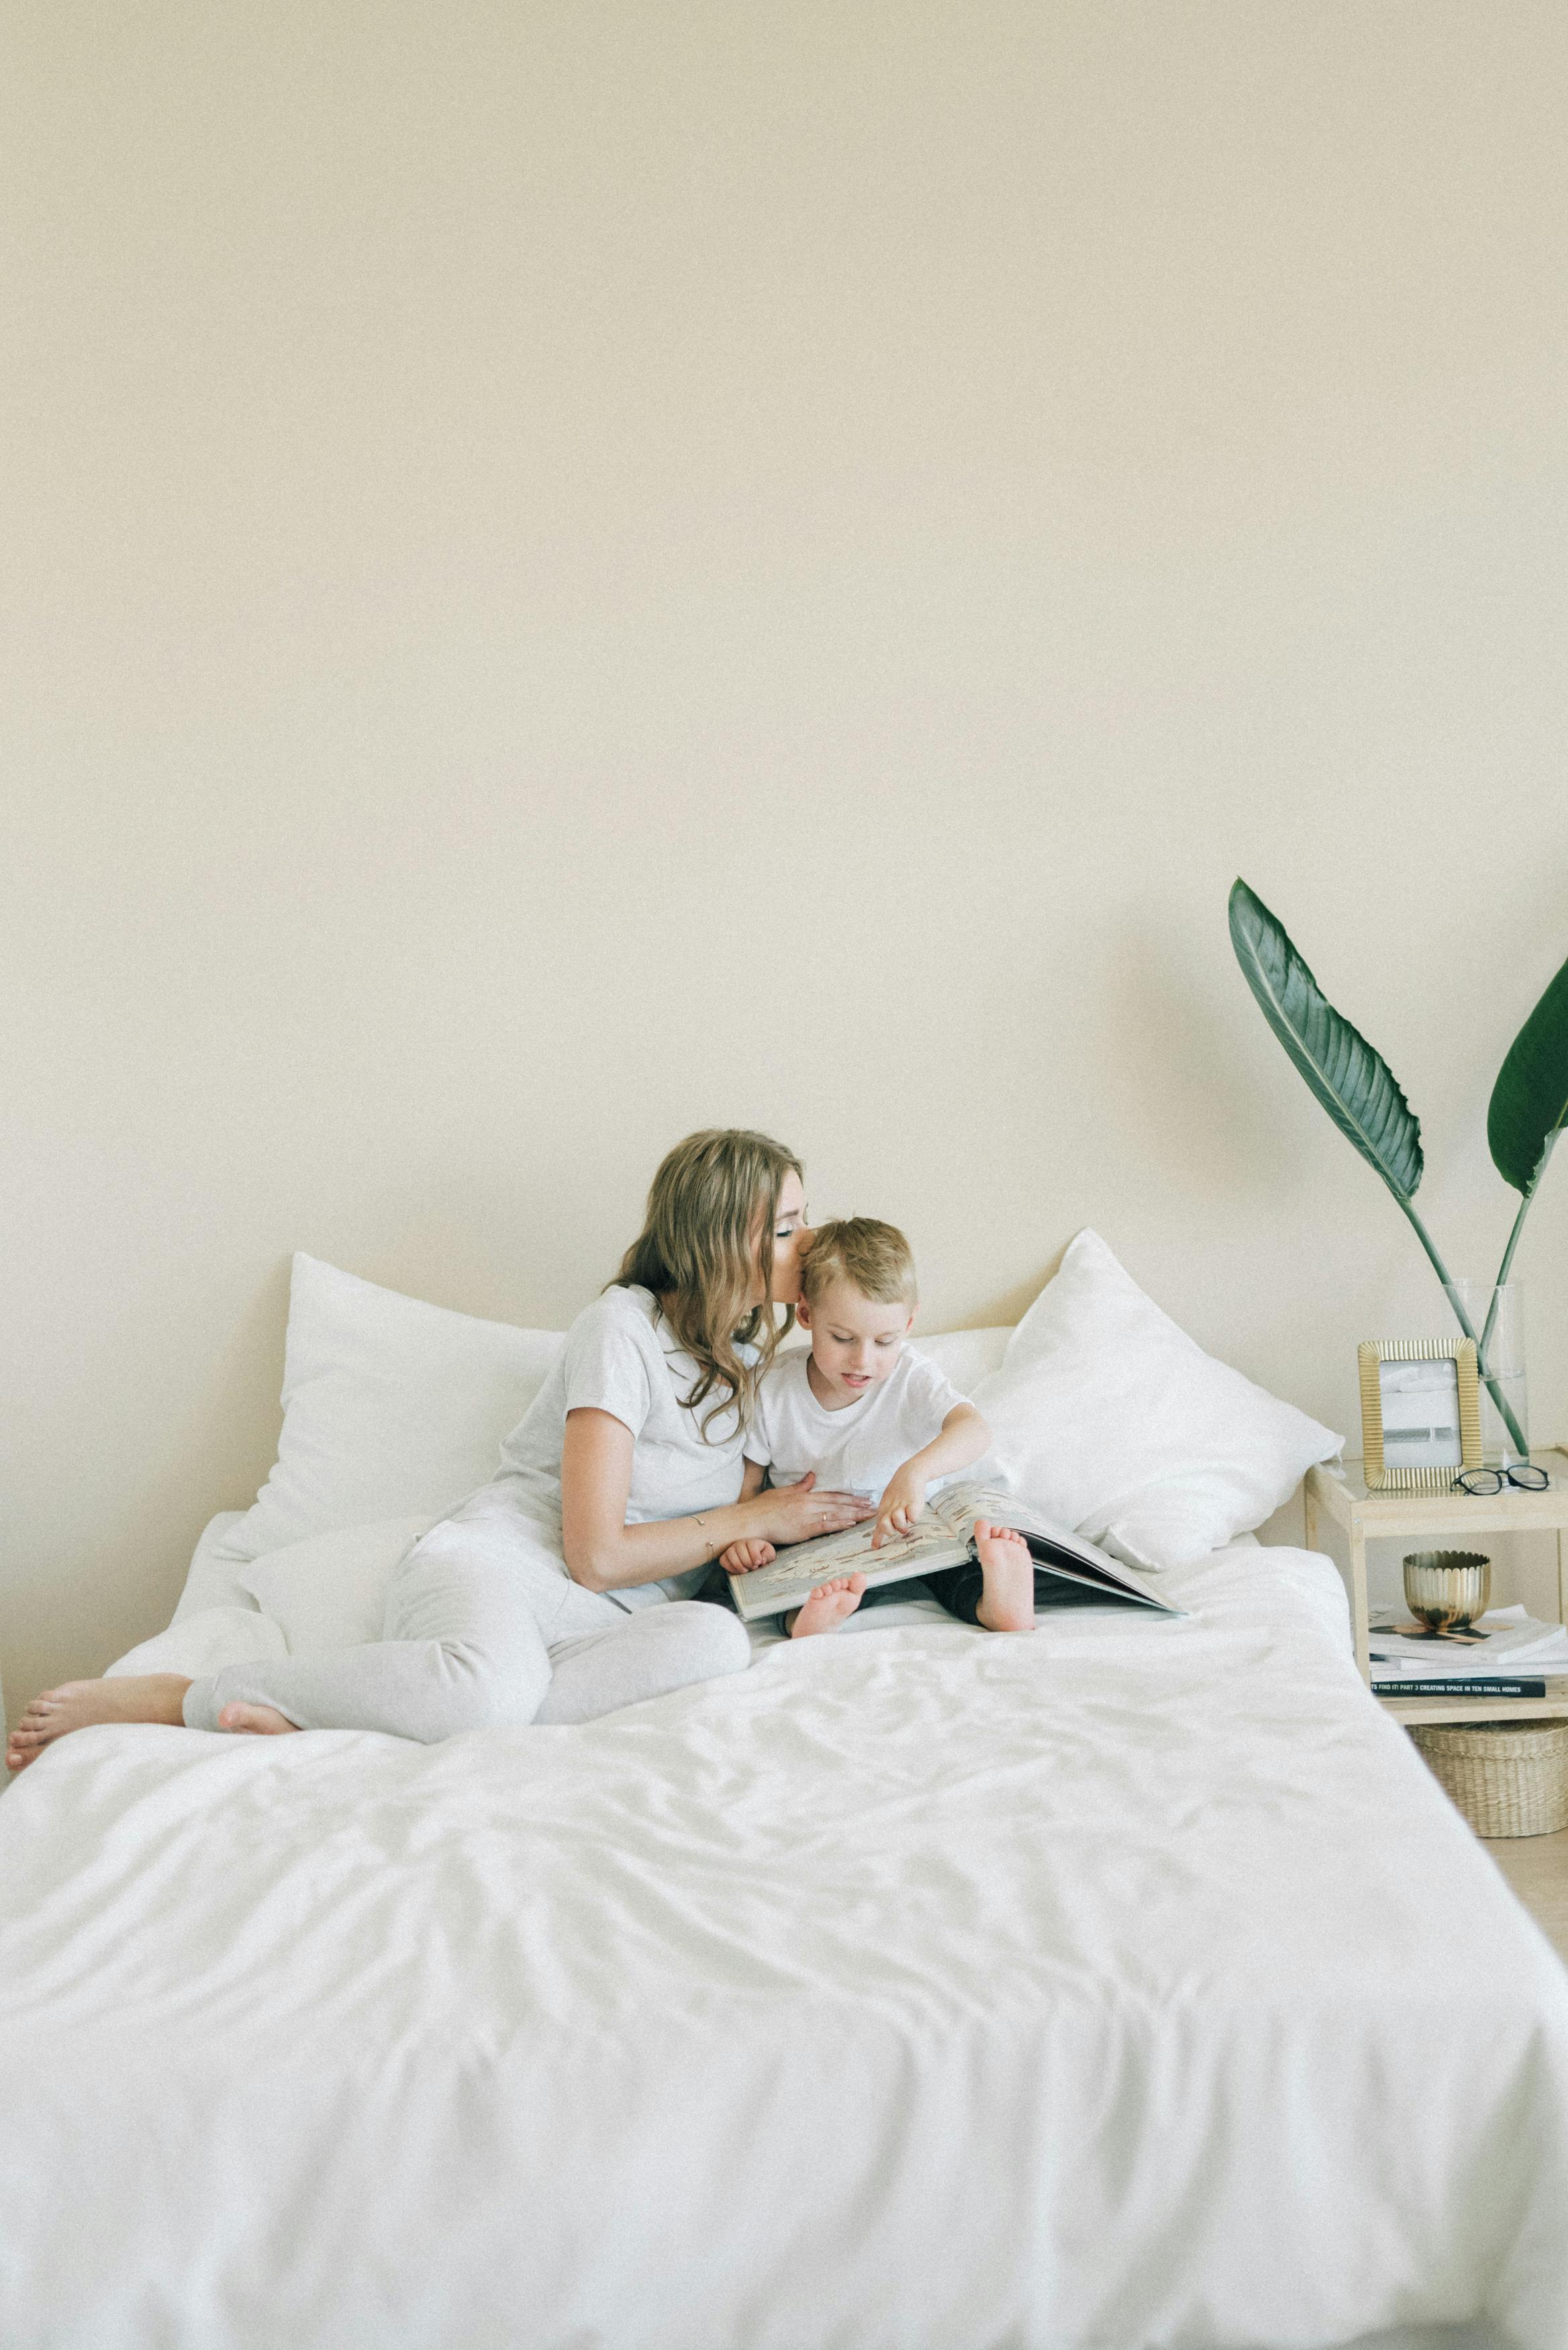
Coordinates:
(855, 1451)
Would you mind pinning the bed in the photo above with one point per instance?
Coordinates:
(1128, 1987)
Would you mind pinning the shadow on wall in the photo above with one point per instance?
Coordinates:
(1179, 1062)
(1178, 1070)
(1185, 1090)
(1011, 1304)
(230, 1426)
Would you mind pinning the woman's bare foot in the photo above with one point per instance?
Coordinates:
(828, 1605)
(262, 1720)
(78, 1705)
(1007, 1602)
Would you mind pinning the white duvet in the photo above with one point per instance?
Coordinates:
(1129, 1985)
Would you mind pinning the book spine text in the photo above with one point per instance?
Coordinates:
(1473, 1687)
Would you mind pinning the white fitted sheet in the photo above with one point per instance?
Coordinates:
(1127, 1987)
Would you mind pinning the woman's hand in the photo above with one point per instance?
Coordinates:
(903, 1500)
(743, 1557)
(796, 1514)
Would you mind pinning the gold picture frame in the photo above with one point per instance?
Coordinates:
(1385, 1476)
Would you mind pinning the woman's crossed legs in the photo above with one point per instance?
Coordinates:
(464, 1650)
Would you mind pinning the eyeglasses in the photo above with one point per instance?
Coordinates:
(1526, 1476)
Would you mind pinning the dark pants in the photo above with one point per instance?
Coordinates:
(958, 1588)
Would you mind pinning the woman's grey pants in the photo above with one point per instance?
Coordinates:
(485, 1630)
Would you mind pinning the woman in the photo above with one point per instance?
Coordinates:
(562, 1591)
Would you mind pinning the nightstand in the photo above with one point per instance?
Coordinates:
(1427, 1521)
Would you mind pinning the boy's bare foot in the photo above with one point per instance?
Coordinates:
(262, 1721)
(1007, 1602)
(78, 1705)
(828, 1605)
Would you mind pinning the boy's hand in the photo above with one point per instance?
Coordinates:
(903, 1500)
(742, 1556)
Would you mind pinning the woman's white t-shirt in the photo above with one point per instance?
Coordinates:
(621, 1356)
(856, 1450)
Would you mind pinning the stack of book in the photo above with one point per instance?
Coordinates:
(1505, 1653)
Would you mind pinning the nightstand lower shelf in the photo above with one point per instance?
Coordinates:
(1474, 1709)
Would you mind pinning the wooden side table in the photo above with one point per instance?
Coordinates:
(1427, 1520)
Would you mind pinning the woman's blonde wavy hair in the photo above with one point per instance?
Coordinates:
(695, 1252)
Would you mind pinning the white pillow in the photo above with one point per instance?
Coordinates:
(212, 1578)
(330, 1590)
(1114, 1422)
(966, 1357)
(205, 1642)
(391, 1409)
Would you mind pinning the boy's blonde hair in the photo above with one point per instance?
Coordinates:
(710, 1194)
(874, 1258)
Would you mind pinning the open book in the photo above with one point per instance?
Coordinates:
(942, 1538)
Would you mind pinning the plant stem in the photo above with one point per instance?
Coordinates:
(1505, 1410)
(1439, 1268)
(1504, 1267)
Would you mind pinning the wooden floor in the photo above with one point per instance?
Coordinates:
(1537, 1868)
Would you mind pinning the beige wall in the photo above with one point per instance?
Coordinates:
(573, 571)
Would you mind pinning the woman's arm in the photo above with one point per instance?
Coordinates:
(604, 1554)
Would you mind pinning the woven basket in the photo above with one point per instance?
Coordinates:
(1508, 1778)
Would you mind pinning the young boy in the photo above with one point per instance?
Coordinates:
(863, 1412)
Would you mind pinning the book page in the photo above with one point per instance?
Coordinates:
(796, 1572)
(957, 1506)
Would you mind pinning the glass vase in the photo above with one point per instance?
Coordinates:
(1496, 1319)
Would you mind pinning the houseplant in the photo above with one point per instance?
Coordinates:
(1357, 1088)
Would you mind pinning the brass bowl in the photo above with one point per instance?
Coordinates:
(1447, 1588)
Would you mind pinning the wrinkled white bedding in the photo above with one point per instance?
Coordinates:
(1129, 1985)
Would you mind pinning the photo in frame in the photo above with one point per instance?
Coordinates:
(1420, 1413)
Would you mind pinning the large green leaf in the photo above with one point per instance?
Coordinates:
(1353, 1082)
(1529, 1099)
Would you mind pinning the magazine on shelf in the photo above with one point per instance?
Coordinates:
(942, 1538)
(1506, 1644)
